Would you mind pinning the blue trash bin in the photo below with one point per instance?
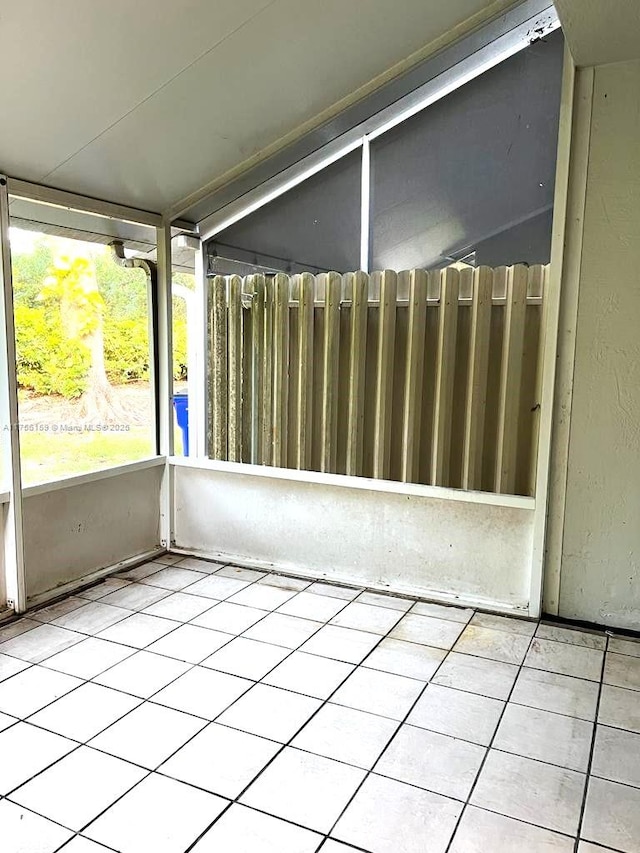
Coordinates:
(181, 406)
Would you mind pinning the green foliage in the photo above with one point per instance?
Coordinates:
(126, 349)
(47, 361)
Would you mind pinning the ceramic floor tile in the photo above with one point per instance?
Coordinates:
(281, 630)
(243, 830)
(622, 671)
(203, 692)
(27, 750)
(62, 794)
(240, 573)
(530, 791)
(562, 694)
(379, 693)
(402, 658)
(39, 644)
(442, 611)
(190, 643)
(207, 566)
(93, 593)
(17, 627)
(84, 712)
(477, 675)
(179, 606)
(309, 674)
(10, 666)
(25, 832)
(343, 644)
(612, 815)
(270, 712)
(307, 605)
(381, 599)
(92, 618)
(159, 815)
(623, 646)
(619, 708)
(60, 608)
(136, 738)
(616, 756)
(136, 596)
(367, 617)
(346, 593)
(142, 674)
(173, 578)
(587, 847)
(504, 646)
(331, 846)
(263, 597)
(139, 630)
(139, 572)
(510, 624)
(84, 845)
(481, 831)
(303, 788)
(588, 639)
(28, 691)
(438, 763)
(169, 558)
(6, 721)
(230, 618)
(284, 582)
(411, 821)
(246, 658)
(213, 586)
(452, 712)
(427, 630)
(556, 739)
(221, 760)
(88, 658)
(345, 734)
(565, 659)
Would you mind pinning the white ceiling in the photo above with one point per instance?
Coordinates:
(145, 102)
(601, 31)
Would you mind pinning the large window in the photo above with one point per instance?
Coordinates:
(425, 367)
(83, 352)
(315, 226)
(472, 176)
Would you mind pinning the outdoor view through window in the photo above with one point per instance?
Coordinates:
(83, 357)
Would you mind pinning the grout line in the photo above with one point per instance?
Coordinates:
(165, 759)
(488, 749)
(402, 722)
(583, 805)
(355, 667)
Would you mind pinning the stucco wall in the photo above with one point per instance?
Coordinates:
(600, 569)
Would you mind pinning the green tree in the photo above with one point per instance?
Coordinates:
(73, 286)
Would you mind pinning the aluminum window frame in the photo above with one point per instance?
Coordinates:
(445, 73)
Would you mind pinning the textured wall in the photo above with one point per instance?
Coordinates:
(600, 576)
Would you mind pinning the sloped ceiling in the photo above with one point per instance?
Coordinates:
(601, 31)
(143, 103)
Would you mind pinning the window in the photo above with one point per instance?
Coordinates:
(83, 353)
(474, 172)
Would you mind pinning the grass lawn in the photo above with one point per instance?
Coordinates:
(48, 456)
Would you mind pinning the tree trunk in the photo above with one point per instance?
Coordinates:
(99, 404)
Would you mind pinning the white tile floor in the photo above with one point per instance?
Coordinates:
(188, 706)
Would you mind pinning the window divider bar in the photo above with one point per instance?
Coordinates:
(365, 207)
(13, 539)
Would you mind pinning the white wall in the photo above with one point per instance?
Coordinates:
(600, 558)
(73, 530)
(437, 544)
(3, 585)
